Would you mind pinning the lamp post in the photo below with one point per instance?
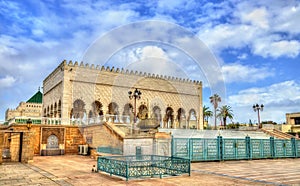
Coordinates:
(135, 95)
(29, 123)
(258, 108)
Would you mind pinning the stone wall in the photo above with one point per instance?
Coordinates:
(35, 130)
(11, 140)
(69, 137)
(73, 139)
(146, 145)
(101, 135)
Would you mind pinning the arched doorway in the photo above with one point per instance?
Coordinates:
(156, 115)
(128, 113)
(113, 111)
(192, 119)
(97, 109)
(181, 118)
(96, 114)
(169, 118)
(78, 110)
(142, 112)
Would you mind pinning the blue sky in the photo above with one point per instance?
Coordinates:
(256, 45)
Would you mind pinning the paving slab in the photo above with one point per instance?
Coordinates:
(77, 170)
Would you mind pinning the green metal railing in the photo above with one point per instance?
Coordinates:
(110, 150)
(143, 166)
(197, 149)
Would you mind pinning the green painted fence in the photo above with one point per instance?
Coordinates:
(143, 166)
(197, 149)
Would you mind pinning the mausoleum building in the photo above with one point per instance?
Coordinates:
(86, 94)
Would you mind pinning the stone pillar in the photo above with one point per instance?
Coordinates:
(27, 147)
(15, 146)
(162, 144)
(200, 115)
(1, 145)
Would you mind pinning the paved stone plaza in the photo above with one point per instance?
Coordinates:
(77, 170)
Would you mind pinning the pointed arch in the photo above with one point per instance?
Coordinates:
(78, 109)
(128, 113)
(169, 118)
(59, 108)
(192, 119)
(128, 109)
(156, 115)
(113, 108)
(51, 110)
(181, 117)
(55, 110)
(97, 109)
(113, 111)
(142, 112)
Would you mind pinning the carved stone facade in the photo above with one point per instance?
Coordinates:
(84, 92)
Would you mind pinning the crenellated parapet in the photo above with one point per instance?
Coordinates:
(70, 64)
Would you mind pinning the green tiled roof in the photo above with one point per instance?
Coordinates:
(36, 98)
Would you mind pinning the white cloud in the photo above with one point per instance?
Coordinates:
(242, 56)
(224, 36)
(257, 26)
(283, 93)
(276, 49)
(288, 19)
(7, 81)
(278, 99)
(153, 51)
(257, 17)
(241, 73)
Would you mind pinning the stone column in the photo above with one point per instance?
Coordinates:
(15, 146)
(1, 145)
(27, 147)
(200, 114)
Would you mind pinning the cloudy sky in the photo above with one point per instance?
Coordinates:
(255, 46)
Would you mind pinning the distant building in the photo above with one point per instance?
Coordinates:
(292, 122)
(30, 109)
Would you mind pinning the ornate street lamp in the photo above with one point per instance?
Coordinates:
(258, 108)
(29, 123)
(135, 95)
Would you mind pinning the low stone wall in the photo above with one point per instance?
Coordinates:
(130, 145)
(101, 135)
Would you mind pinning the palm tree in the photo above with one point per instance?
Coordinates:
(214, 100)
(224, 112)
(206, 113)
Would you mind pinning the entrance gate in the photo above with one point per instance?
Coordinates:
(16, 146)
